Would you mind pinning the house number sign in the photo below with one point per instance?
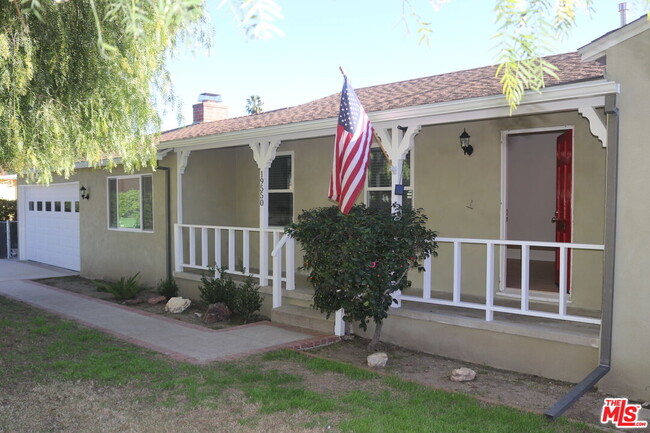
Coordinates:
(261, 188)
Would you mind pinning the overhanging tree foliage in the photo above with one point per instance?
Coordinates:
(357, 261)
(81, 80)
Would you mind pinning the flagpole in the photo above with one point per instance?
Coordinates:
(374, 133)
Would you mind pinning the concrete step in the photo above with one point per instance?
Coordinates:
(302, 317)
(298, 297)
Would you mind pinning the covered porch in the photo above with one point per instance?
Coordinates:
(487, 293)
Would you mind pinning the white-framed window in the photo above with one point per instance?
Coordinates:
(378, 181)
(281, 190)
(130, 203)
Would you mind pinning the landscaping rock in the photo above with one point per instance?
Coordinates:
(156, 300)
(135, 301)
(463, 375)
(217, 313)
(378, 359)
(177, 305)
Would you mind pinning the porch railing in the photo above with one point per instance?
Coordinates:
(202, 247)
(489, 306)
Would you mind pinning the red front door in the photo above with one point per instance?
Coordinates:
(564, 189)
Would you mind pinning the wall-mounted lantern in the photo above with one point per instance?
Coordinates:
(464, 143)
(84, 193)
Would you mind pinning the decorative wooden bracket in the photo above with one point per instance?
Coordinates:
(597, 124)
(264, 152)
(398, 140)
(183, 156)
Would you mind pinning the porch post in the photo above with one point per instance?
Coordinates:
(181, 164)
(264, 154)
(397, 143)
(264, 224)
(398, 140)
(181, 160)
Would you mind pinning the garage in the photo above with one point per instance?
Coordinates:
(49, 224)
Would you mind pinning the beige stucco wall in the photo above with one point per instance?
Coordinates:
(629, 65)
(112, 254)
(462, 196)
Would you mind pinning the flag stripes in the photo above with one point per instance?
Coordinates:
(354, 135)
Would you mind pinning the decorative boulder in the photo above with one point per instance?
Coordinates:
(217, 313)
(156, 300)
(463, 375)
(378, 359)
(177, 305)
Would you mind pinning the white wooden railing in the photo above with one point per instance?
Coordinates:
(488, 306)
(202, 247)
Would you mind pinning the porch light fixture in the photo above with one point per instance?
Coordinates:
(464, 143)
(84, 193)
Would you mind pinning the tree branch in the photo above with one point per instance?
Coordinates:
(19, 12)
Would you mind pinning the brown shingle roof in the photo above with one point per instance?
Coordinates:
(454, 86)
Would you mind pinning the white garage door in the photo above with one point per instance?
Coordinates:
(50, 222)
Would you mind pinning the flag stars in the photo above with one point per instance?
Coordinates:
(350, 111)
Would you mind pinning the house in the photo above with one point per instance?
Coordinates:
(543, 259)
(8, 186)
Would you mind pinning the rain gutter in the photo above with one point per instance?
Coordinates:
(605, 359)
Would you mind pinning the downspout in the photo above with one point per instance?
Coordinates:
(168, 212)
(611, 111)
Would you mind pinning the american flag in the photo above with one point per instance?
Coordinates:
(351, 150)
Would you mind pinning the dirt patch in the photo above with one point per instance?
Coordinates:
(84, 407)
(193, 315)
(531, 393)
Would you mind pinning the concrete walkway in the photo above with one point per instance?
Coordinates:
(182, 341)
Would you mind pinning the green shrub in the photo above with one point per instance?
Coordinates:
(167, 288)
(248, 299)
(220, 289)
(243, 300)
(357, 261)
(123, 289)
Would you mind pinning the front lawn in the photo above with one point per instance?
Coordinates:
(57, 376)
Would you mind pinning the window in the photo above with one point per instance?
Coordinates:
(378, 181)
(281, 190)
(130, 203)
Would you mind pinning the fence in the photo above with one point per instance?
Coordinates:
(8, 239)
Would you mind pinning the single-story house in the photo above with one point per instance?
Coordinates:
(8, 186)
(544, 241)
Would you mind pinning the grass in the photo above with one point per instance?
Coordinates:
(39, 348)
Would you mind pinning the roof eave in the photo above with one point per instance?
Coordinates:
(493, 106)
(598, 48)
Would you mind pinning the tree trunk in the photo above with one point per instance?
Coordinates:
(374, 343)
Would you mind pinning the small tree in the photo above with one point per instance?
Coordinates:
(254, 105)
(357, 261)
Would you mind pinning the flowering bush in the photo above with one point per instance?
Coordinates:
(357, 261)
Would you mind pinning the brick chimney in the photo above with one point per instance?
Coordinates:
(209, 108)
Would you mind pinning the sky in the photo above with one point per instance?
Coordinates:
(366, 37)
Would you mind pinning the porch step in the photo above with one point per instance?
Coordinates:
(298, 297)
(302, 317)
